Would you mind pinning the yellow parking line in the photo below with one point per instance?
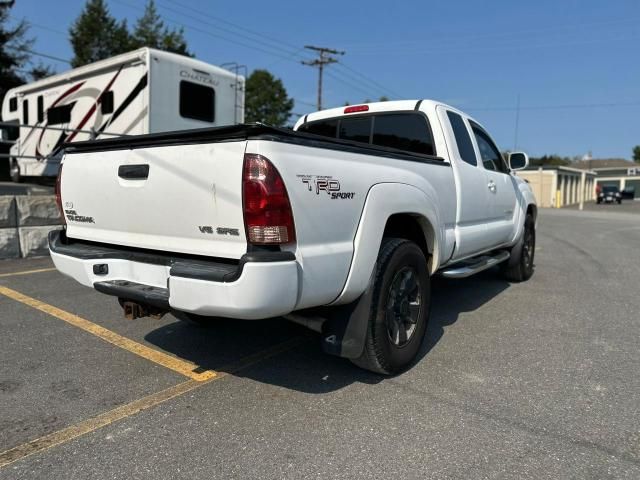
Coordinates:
(124, 411)
(179, 365)
(26, 272)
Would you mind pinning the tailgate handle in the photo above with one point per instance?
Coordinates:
(134, 172)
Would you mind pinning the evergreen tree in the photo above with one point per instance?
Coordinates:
(266, 99)
(150, 31)
(40, 71)
(96, 35)
(13, 50)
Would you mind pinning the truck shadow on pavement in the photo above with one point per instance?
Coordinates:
(305, 368)
(450, 298)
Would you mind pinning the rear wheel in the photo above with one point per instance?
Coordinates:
(520, 266)
(399, 308)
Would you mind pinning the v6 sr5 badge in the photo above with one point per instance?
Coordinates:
(325, 184)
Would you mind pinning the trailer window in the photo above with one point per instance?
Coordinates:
(13, 104)
(357, 129)
(197, 101)
(405, 131)
(106, 102)
(61, 114)
(25, 112)
(40, 108)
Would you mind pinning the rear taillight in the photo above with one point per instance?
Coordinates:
(59, 195)
(268, 218)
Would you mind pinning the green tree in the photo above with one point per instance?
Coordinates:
(150, 31)
(14, 46)
(555, 160)
(266, 99)
(40, 71)
(96, 35)
(636, 154)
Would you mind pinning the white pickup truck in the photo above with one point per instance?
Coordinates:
(337, 225)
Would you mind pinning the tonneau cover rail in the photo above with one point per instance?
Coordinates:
(251, 131)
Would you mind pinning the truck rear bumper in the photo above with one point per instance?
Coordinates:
(260, 285)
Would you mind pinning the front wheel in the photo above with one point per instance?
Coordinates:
(520, 266)
(399, 308)
(14, 172)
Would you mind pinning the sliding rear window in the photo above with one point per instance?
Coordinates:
(409, 132)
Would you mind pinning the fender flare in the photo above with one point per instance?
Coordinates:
(384, 200)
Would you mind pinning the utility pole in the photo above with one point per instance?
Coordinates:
(322, 60)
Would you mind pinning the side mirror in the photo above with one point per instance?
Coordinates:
(518, 161)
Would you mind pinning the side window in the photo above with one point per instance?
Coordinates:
(13, 104)
(405, 131)
(489, 153)
(355, 129)
(40, 108)
(25, 112)
(326, 128)
(106, 102)
(463, 140)
(197, 101)
(59, 115)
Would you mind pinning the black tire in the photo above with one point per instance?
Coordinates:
(14, 172)
(520, 266)
(619, 202)
(401, 302)
(598, 201)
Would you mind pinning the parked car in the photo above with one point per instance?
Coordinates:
(629, 193)
(609, 194)
(338, 225)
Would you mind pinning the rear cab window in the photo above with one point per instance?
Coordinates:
(403, 131)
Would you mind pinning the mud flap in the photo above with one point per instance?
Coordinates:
(516, 252)
(345, 330)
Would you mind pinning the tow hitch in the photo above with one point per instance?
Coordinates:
(133, 310)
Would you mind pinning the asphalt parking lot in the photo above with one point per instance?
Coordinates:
(532, 380)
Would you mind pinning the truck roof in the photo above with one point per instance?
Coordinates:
(110, 63)
(388, 106)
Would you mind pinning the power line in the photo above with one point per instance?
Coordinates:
(283, 50)
(555, 107)
(320, 62)
(371, 81)
(39, 54)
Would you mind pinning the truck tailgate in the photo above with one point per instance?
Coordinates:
(175, 198)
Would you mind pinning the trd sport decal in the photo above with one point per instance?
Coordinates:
(326, 184)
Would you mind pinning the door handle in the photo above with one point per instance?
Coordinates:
(134, 172)
(491, 186)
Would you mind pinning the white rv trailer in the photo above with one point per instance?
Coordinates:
(144, 91)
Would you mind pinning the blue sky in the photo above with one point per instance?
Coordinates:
(573, 64)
